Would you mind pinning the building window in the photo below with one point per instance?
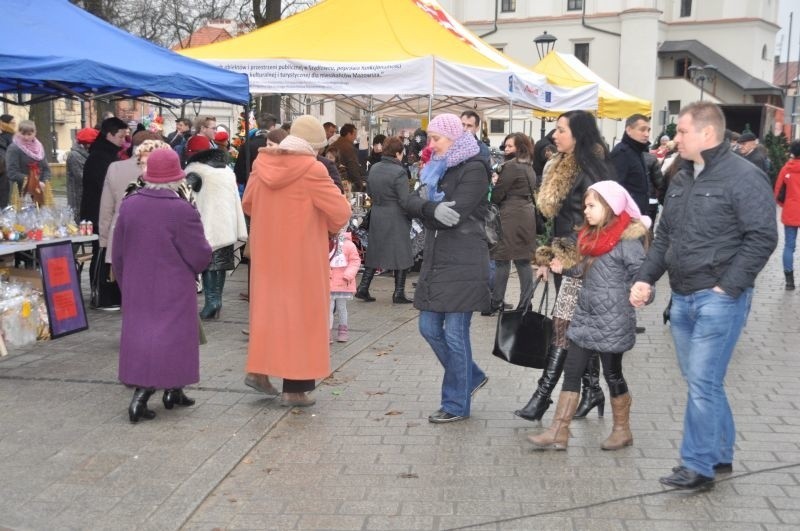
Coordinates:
(764, 52)
(682, 67)
(69, 104)
(497, 126)
(508, 6)
(581, 51)
(674, 106)
(686, 8)
(574, 5)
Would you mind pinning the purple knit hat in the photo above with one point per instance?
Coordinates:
(447, 125)
(163, 166)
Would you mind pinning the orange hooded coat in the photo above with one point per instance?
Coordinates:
(293, 205)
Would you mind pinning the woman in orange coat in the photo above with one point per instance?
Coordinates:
(293, 205)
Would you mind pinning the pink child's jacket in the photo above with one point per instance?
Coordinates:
(344, 278)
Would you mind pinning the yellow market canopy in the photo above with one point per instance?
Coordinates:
(400, 52)
(567, 70)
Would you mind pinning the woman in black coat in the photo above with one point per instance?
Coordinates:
(581, 161)
(453, 281)
(389, 227)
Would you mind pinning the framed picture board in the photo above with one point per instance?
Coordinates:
(62, 289)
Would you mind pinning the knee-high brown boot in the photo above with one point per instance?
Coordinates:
(621, 435)
(556, 437)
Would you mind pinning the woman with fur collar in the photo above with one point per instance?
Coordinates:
(217, 199)
(581, 161)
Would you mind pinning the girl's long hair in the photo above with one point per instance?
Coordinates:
(591, 152)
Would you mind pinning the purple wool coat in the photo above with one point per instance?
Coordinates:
(158, 249)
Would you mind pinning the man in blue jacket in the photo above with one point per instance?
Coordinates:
(717, 232)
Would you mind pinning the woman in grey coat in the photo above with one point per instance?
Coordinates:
(389, 226)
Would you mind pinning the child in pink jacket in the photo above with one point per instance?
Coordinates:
(345, 263)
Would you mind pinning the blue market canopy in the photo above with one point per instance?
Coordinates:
(52, 49)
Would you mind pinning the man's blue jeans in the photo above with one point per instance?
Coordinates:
(705, 328)
(789, 241)
(448, 336)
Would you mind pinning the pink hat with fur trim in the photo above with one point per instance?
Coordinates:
(620, 200)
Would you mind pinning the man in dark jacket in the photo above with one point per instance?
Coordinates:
(751, 150)
(349, 157)
(8, 127)
(628, 159)
(265, 123)
(102, 153)
(717, 232)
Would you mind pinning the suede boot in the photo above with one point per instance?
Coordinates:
(556, 437)
(540, 401)
(789, 279)
(621, 435)
(591, 392)
(362, 292)
(399, 295)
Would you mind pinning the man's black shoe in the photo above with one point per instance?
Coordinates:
(440, 417)
(687, 479)
(719, 468)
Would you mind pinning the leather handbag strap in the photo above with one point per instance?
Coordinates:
(544, 300)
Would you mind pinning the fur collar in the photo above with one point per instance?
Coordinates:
(566, 249)
(559, 178)
(7, 128)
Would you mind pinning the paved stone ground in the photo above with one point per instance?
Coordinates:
(365, 456)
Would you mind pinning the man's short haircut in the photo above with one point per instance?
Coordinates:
(111, 125)
(705, 113)
(266, 120)
(472, 114)
(794, 149)
(185, 121)
(392, 146)
(328, 125)
(347, 129)
(204, 122)
(633, 118)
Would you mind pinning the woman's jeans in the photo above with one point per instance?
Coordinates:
(575, 366)
(502, 272)
(705, 327)
(448, 336)
(789, 240)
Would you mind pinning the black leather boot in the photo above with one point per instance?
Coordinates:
(789, 279)
(173, 397)
(592, 394)
(138, 408)
(213, 295)
(363, 287)
(540, 401)
(399, 295)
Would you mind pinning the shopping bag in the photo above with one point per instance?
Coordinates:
(523, 335)
(104, 289)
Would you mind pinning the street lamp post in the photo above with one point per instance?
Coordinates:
(544, 44)
(701, 74)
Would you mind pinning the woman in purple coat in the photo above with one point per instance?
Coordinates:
(158, 249)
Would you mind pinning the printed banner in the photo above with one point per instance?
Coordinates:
(321, 77)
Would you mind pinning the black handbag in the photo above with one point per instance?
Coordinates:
(104, 289)
(523, 335)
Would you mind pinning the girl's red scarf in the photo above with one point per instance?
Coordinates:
(601, 242)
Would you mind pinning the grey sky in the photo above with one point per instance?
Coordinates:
(784, 8)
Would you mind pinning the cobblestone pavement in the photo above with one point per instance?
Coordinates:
(365, 456)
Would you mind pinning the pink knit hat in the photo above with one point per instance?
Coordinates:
(619, 199)
(447, 125)
(163, 166)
